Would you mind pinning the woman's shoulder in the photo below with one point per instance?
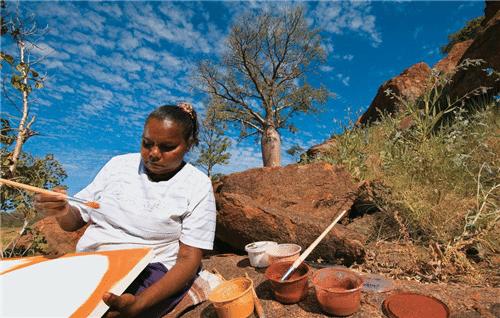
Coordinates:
(125, 160)
(195, 175)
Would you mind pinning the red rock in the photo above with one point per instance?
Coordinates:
(291, 204)
(410, 84)
(59, 241)
(448, 63)
(317, 150)
(491, 8)
(486, 46)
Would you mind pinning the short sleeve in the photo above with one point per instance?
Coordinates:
(198, 225)
(92, 191)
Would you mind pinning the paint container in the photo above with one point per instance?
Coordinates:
(233, 298)
(257, 253)
(413, 305)
(283, 252)
(292, 290)
(338, 290)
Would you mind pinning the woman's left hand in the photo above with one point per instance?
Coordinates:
(123, 306)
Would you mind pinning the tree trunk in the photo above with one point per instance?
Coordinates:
(21, 131)
(271, 147)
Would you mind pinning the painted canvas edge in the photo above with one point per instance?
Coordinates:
(122, 285)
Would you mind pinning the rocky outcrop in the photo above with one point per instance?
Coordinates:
(410, 84)
(316, 150)
(58, 241)
(449, 62)
(291, 204)
(462, 300)
(486, 46)
(491, 8)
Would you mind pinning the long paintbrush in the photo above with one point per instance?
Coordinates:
(308, 251)
(91, 204)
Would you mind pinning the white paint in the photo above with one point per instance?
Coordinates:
(53, 288)
(8, 264)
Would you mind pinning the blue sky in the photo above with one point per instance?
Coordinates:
(110, 63)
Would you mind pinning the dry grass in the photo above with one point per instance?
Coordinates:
(439, 186)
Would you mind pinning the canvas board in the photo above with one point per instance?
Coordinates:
(68, 286)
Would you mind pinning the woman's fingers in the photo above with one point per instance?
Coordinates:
(51, 205)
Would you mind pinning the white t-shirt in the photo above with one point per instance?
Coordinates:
(137, 212)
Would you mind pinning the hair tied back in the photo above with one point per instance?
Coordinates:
(186, 107)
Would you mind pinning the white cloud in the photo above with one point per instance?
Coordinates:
(127, 41)
(341, 16)
(326, 68)
(344, 79)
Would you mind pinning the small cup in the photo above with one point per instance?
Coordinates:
(283, 252)
(257, 253)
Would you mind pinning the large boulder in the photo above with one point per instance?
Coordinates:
(291, 204)
(316, 151)
(486, 46)
(410, 85)
(450, 61)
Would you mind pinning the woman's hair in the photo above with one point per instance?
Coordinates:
(183, 114)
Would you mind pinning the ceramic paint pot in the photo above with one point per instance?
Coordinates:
(338, 290)
(257, 253)
(233, 298)
(283, 252)
(292, 290)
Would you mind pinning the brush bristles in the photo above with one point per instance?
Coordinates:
(93, 205)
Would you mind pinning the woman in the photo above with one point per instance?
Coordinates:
(152, 199)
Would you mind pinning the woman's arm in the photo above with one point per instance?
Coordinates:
(185, 268)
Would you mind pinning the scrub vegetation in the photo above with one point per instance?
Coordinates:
(433, 172)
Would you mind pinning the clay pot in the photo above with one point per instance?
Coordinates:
(233, 298)
(257, 253)
(283, 252)
(338, 290)
(292, 290)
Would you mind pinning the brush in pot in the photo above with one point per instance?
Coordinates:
(90, 204)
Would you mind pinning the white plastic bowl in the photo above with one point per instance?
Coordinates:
(257, 253)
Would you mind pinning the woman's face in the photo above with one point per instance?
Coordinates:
(163, 146)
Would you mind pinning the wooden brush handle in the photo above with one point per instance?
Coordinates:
(29, 188)
(258, 305)
(316, 242)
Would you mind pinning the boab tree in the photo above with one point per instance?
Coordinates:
(260, 81)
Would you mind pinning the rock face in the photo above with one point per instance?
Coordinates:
(316, 150)
(291, 204)
(410, 85)
(448, 64)
(59, 241)
(491, 8)
(486, 46)
(462, 300)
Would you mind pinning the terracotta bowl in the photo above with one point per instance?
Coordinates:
(292, 290)
(338, 290)
(233, 298)
(283, 252)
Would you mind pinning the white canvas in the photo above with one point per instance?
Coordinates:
(66, 286)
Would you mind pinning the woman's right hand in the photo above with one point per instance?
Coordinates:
(52, 205)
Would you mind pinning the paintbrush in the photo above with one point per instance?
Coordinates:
(308, 251)
(90, 204)
(258, 305)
